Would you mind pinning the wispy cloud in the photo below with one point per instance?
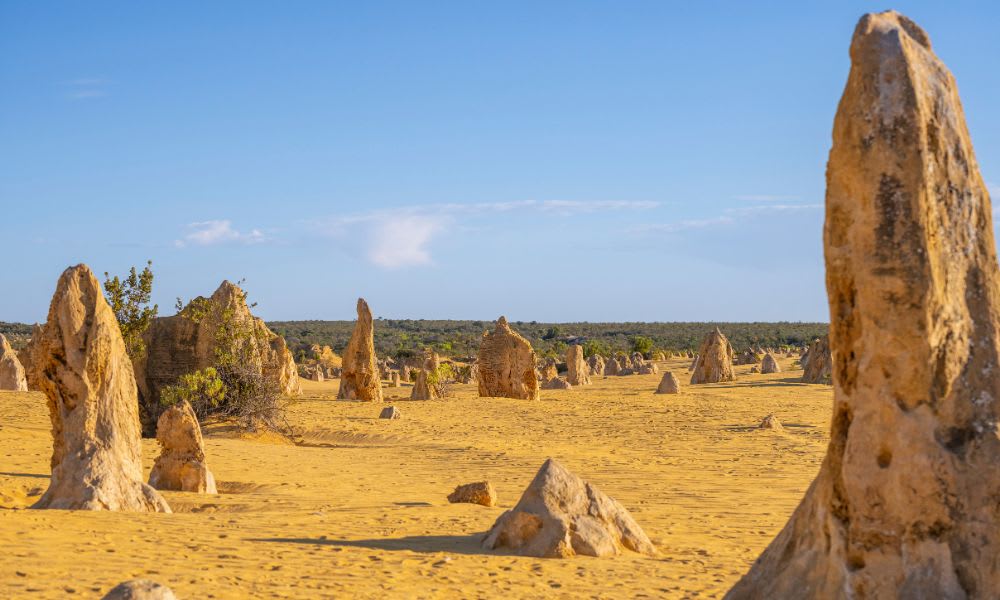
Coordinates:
(682, 225)
(729, 216)
(771, 208)
(994, 189)
(765, 197)
(211, 233)
(403, 236)
(86, 88)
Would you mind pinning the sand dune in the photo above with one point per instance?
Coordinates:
(357, 506)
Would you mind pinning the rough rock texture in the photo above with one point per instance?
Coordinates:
(432, 361)
(316, 374)
(770, 422)
(556, 383)
(755, 369)
(394, 380)
(468, 374)
(360, 379)
(422, 389)
(11, 372)
(596, 365)
(78, 361)
(181, 465)
(506, 364)
(187, 342)
(817, 363)
(480, 492)
(547, 369)
(715, 360)
(140, 589)
(389, 412)
(647, 369)
(24, 355)
(560, 515)
(577, 371)
(769, 364)
(325, 356)
(612, 367)
(905, 503)
(669, 384)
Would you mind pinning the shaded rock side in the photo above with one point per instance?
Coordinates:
(769, 364)
(12, 376)
(181, 465)
(361, 379)
(506, 364)
(560, 515)
(78, 361)
(596, 364)
(905, 503)
(817, 363)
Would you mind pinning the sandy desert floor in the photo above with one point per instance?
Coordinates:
(357, 508)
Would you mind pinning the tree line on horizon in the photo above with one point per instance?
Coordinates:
(461, 338)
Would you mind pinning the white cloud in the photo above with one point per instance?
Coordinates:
(994, 189)
(210, 233)
(402, 237)
(403, 241)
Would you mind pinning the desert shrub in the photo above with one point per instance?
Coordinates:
(248, 398)
(441, 379)
(129, 299)
(592, 347)
(641, 344)
(203, 389)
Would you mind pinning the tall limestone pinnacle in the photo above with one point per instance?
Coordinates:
(361, 379)
(78, 361)
(905, 504)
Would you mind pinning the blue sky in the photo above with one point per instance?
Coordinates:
(551, 161)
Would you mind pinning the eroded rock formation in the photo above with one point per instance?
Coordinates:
(714, 362)
(577, 371)
(140, 589)
(181, 465)
(905, 504)
(480, 492)
(669, 384)
(423, 389)
(560, 515)
(596, 365)
(506, 364)
(361, 379)
(11, 372)
(769, 364)
(194, 338)
(556, 383)
(817, 362)
(78, 361)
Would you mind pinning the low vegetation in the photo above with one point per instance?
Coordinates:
(408, 337)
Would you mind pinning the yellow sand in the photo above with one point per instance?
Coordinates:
(357, 508)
